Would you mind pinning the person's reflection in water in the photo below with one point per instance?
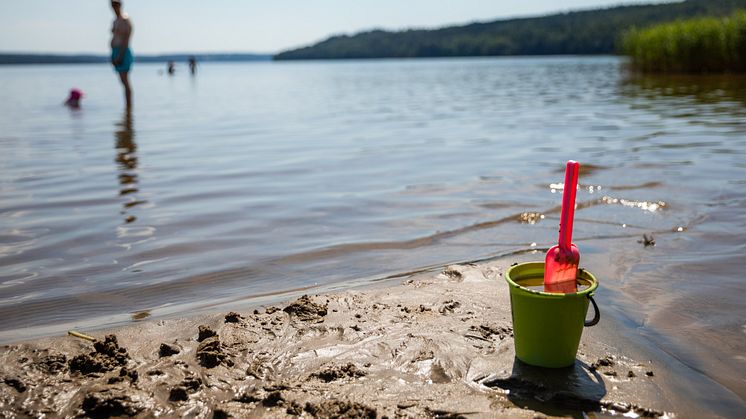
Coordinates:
(126, 159)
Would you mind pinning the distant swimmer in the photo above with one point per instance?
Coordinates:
(121, 55)
(193, 65)
(73, 101)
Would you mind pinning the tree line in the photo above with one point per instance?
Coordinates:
(583, 32)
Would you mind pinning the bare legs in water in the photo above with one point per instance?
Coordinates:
(124, 77)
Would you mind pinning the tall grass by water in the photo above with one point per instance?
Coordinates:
(703, 45)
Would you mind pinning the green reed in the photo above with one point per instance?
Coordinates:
(703, 45)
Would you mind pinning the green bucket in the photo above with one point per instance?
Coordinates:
(547, 326)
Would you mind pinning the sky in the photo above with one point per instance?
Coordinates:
(169, 26)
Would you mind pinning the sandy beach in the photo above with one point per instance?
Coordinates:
(439, 344)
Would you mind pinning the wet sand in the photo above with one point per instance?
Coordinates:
(437, 345)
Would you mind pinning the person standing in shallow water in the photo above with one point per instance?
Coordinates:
(121, 55)
(193, 65)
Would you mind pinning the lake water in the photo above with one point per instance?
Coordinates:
(255, 180)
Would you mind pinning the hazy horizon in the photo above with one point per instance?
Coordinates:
(25, 27)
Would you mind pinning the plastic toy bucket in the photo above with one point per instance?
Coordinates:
(547, 326)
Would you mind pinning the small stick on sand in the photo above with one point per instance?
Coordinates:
(80, 335)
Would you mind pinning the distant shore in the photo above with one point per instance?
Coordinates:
(436, 345)
(23, 58)
(579, 32)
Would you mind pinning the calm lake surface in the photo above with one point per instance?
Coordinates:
(252, 181)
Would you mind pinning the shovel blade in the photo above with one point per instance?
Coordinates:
(561, 270)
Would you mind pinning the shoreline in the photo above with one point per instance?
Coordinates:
(437, 344)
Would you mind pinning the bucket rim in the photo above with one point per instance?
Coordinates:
(582, 274)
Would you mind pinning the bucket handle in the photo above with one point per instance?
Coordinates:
(596, 314)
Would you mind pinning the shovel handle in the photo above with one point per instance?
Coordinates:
(596, 314)
(568, 205)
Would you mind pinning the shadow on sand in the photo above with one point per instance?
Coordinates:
(556, 392)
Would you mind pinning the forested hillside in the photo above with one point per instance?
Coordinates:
(582, 32)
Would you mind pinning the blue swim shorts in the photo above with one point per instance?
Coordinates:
(126, 64)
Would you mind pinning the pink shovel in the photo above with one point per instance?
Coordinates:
(561, 265)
